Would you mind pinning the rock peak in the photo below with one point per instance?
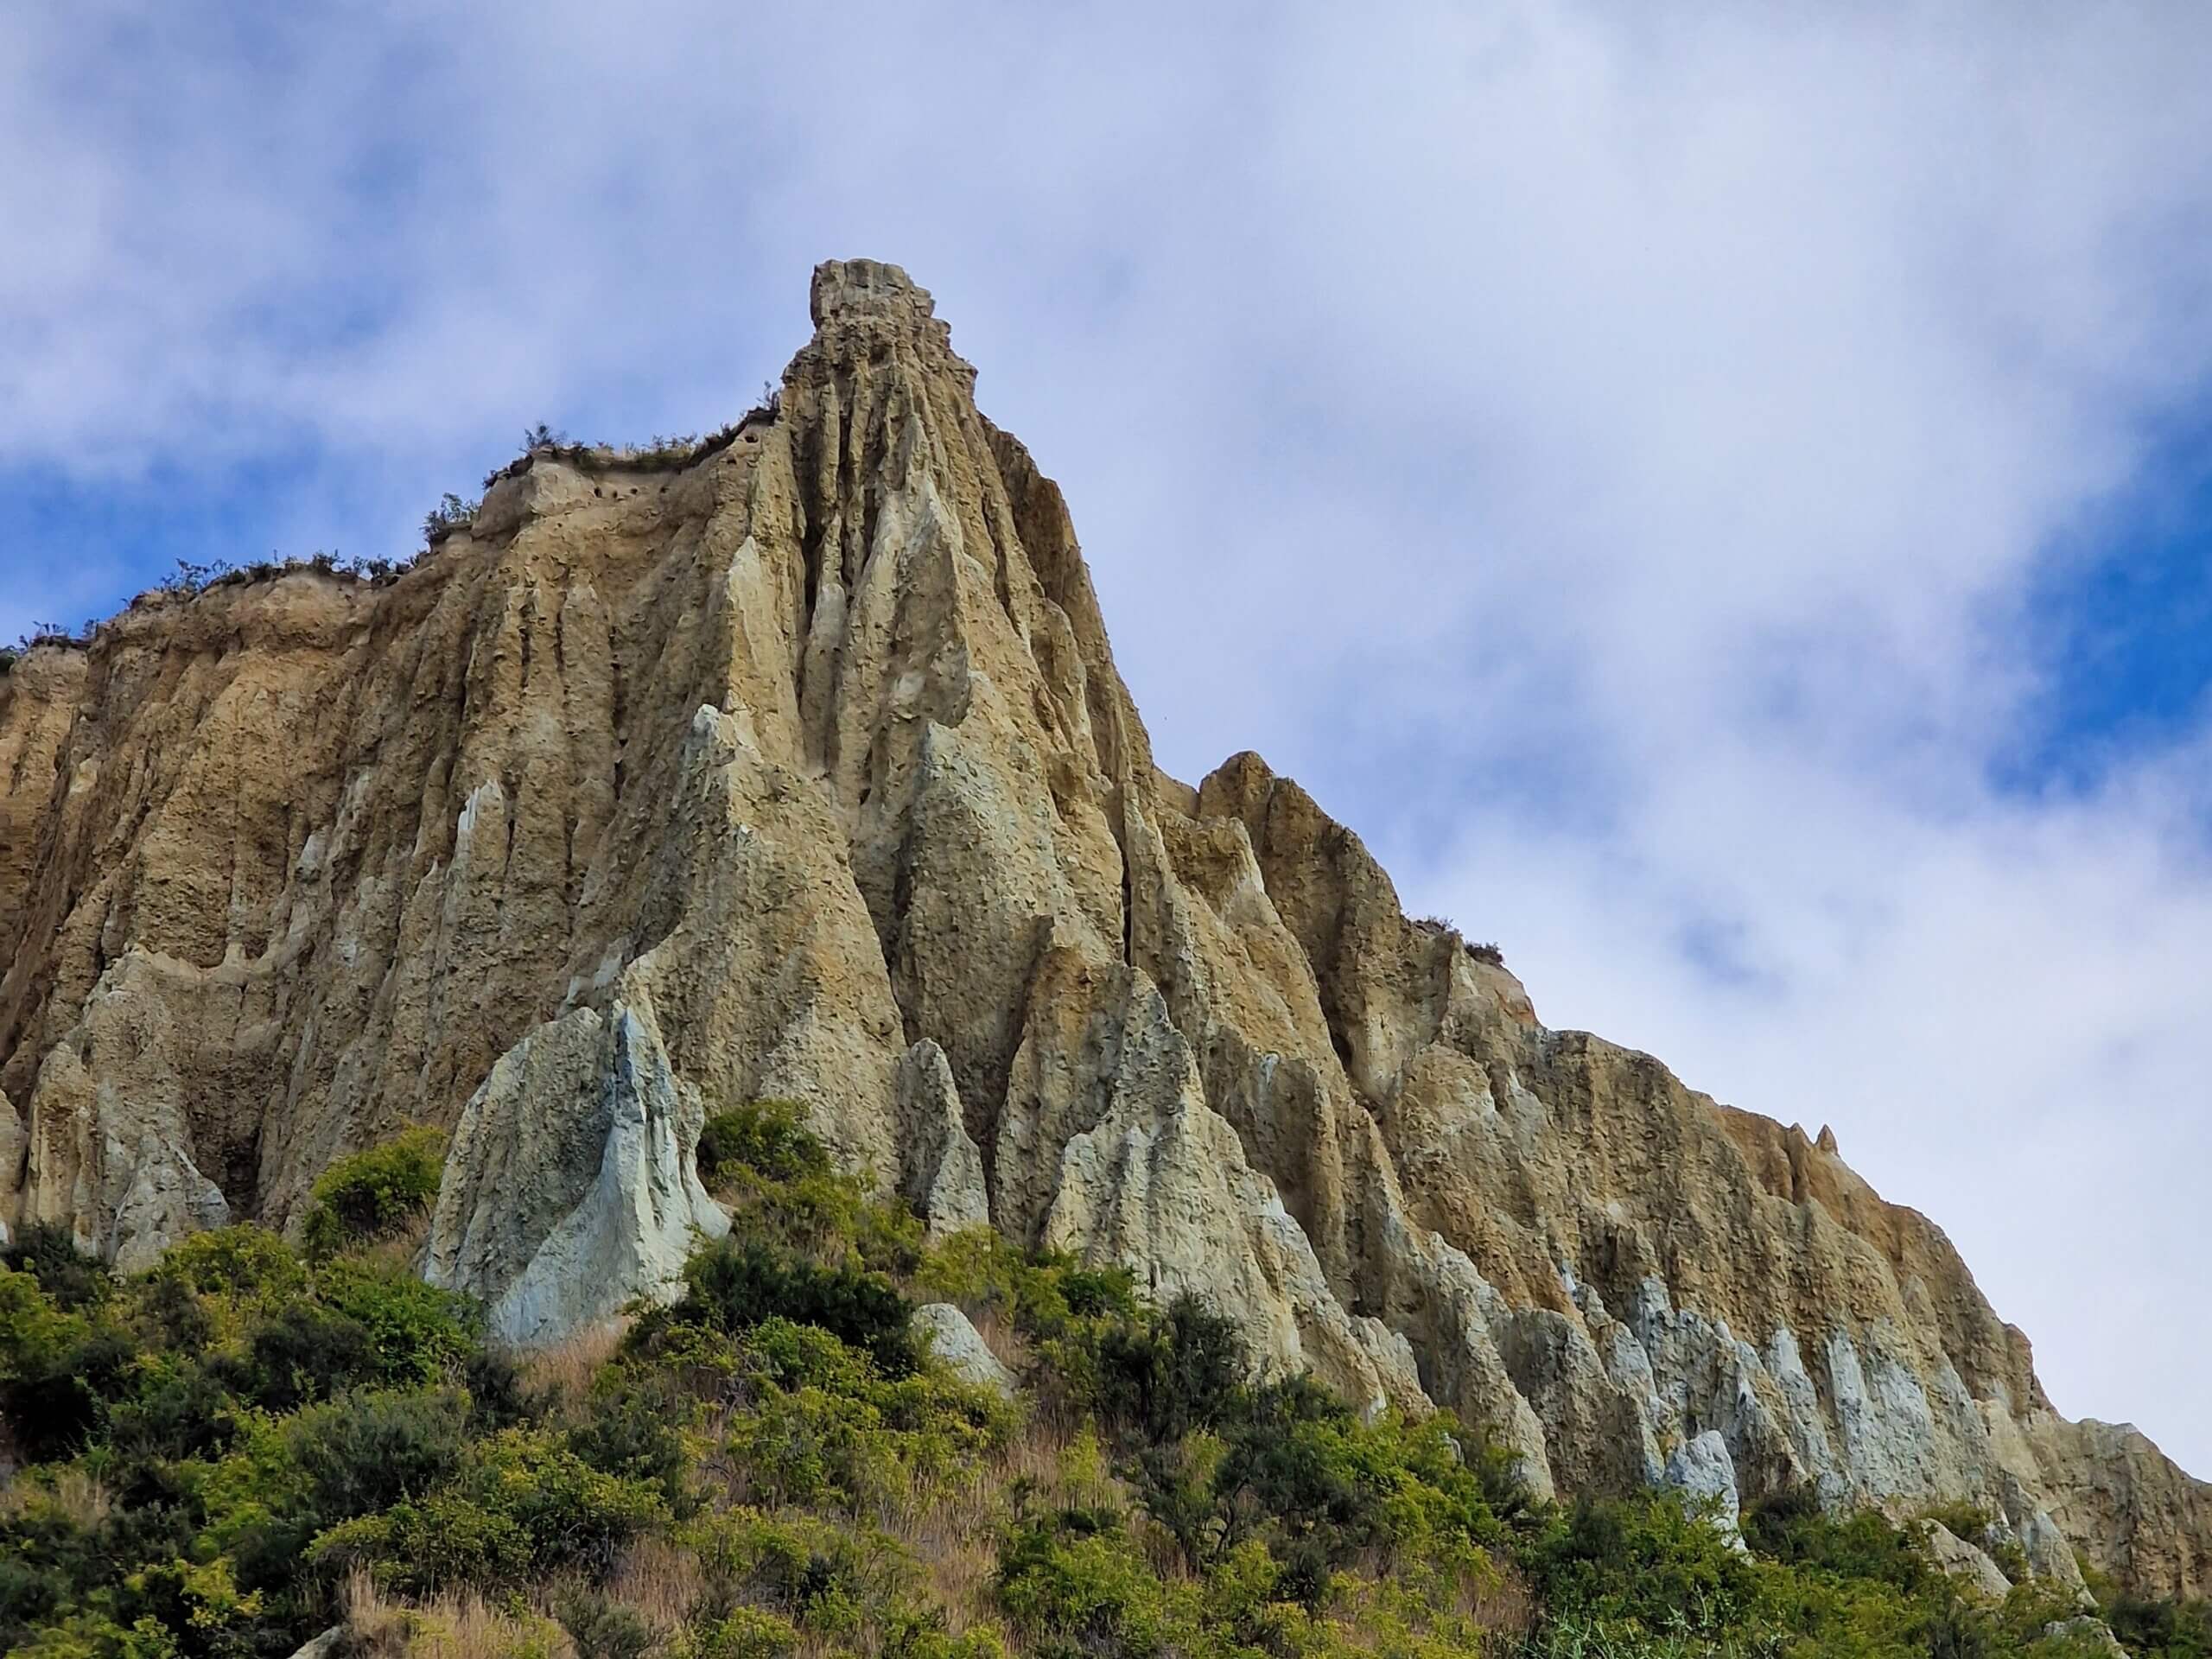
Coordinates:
(869, 313)
(865, 287)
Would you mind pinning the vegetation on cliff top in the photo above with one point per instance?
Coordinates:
(453, 513)
(250, 1444)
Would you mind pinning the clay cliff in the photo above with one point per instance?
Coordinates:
(802, 769)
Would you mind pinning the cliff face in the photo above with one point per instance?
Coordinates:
(803, 769)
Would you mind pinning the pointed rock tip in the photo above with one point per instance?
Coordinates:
(858, 286)
(1236, 788)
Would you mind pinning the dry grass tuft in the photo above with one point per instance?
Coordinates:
(77, 1495)
(564, 1371)
(402, 1249)
(958, 1552)
(1011, 1347)
(1500, 1601)
(659, 1581)
(953, 1535)
(450, 1626)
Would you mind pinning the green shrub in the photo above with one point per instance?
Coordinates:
(452, 513)
(843, 1580)
(769, 1137)
(732, 1286)
(1960, 1519)
(522, 1507)
(832, 1220)
(1792, 1529)
(2161, 1630)
(418, 1334)
(1076, 1586)
(1167, 1376)
(497, 1398)
(365, 1326)
(250, 1269)
(826, 1427)
(303, 1353)
(1046, 1295)
(96, 1635)
(602, 1628)
(376, 1447)
(177, 1409)
(374, 1193)
(50, 1253)
(634, 1429)
(1646, 1562)
(741, 1633)
(60, 1368)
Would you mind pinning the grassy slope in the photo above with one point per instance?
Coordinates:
(252, 1443)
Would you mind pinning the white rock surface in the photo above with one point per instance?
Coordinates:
(320, 1647)
(1701, 1470)
(954, 1339)
(557, 1232)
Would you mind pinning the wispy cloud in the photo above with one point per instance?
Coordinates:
(1614, 458)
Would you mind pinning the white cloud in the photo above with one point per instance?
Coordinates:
(1604, 453)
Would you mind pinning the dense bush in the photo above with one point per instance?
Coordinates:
(1794, 1529)
(776, 1180)
(634, 1430)
(1049, 1296)
(1075, 1585)
(768, 1137)
(64, 1272)
(1652, 1567)
(1164, 1378)
(732, 1285)
(522, 1508)
(2170, 1629)
(827, 1425)
(374, 1193)
(193, 1429)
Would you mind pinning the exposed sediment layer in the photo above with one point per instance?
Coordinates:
(803, 769)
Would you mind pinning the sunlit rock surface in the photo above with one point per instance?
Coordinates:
(802, 769)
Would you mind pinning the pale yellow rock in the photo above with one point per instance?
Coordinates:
(802, 769)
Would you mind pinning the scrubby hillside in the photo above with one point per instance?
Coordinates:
(247, 1446)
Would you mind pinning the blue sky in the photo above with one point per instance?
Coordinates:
(2120, 621)
(1719, 501)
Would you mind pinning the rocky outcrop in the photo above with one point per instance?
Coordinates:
(1704, 1472)
(803, 770)
(953, 1339)
(1968, 1564)
(942, 1171)
(572, 1185)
